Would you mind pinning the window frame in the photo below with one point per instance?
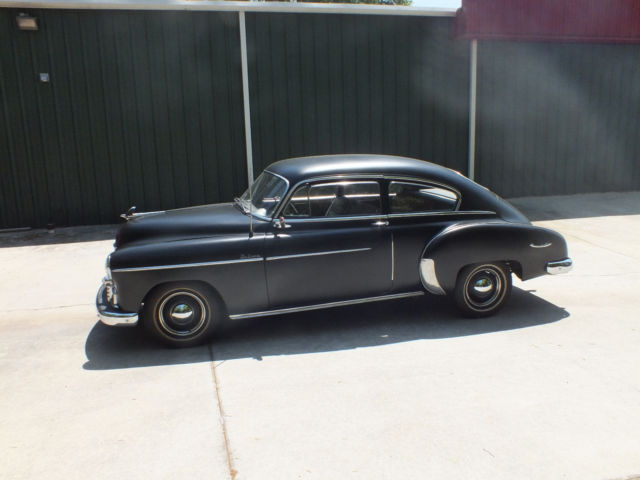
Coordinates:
(421, 183)
(311, 182)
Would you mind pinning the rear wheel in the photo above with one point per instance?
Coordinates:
(182, 315)
(482, 289)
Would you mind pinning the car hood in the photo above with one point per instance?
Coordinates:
(206, 220)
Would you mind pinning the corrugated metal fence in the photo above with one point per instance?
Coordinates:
(146, 108)
(140, 108)
(558, 118)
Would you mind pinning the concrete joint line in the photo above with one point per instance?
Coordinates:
(232, 471)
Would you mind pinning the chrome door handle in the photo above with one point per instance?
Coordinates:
(381, 223)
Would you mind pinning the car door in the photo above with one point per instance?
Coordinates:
(418, 211)
(330, 243)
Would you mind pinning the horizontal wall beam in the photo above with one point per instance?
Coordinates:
(223, 6)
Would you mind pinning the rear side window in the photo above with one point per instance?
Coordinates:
(335, 199)
(406, 197)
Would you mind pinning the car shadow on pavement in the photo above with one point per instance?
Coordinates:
(578, 206)
(38, 237)
(358, 326)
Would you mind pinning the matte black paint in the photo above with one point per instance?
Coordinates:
(479, 242)
(485, 228)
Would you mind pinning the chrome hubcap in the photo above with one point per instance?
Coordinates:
(483, 285)
(181, 314)
(484, 288)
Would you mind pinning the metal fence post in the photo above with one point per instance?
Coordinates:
(245, 95)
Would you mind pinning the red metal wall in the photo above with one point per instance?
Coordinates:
(602, 21)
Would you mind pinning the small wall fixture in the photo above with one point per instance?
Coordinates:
(27, 22)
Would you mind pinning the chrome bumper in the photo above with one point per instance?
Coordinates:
(559, 266)
(109, 314)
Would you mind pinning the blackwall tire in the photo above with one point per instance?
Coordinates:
(482, 289)
(182, 314)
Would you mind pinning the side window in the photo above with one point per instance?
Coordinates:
(335, 199)
(298, 205)
(405, 197)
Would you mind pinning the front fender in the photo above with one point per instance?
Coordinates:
(232, 265)
(525, 247)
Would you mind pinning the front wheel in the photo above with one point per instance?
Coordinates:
(481, 290)
(181, 315)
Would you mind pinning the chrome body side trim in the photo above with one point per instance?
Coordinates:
(393, 259)
(560, 266)
(109, 313)
(544, 245)
(187, 265)
(429, 278)
(319, 306)
(315, 254)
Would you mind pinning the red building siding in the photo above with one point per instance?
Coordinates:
(602, 21)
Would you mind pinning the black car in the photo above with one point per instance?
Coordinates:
(321, 232)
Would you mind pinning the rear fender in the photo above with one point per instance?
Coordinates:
(527, 247)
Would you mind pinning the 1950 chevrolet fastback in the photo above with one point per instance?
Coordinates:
(322, 232)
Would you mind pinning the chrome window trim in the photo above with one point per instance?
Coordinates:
(426, 183)
(367, 176)
(187, 265)
(268, 219)
(329, 181)
(294, 220)
(336, 177)
(319, 306)
(442, 212)
(279, 176)
(316, 254)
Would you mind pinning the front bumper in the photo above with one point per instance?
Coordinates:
(559, 266)
(109, 313)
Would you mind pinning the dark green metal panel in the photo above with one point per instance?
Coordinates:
(142, 108)
(558, 118)
(146, 108)
(357, 83)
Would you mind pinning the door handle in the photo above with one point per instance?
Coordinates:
(381, 223)
(280, 224)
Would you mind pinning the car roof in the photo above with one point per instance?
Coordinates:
(299, 169)
(474, 196)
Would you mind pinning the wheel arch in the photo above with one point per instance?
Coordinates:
(208, 287)
(468, 243)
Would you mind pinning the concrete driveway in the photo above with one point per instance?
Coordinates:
(547, 389)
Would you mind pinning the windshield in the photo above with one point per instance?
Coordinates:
(267, 191)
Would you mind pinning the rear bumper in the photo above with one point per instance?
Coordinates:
(559, 266)
(109, 314)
